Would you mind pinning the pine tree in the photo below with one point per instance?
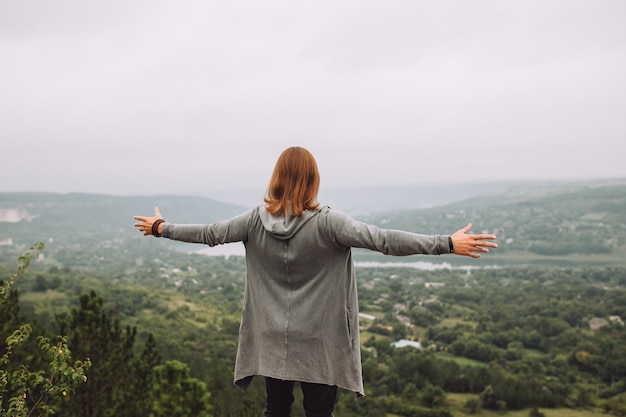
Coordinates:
(176, 394)
(138, 395)
(95, 334)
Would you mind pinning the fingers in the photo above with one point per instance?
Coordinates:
(143, 227)
(144, 223)
(473, 252)
(484, 237)
(482, 242)
(157, 215)
(481, 246)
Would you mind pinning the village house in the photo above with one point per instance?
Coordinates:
(367, 316)
(597, 323)
(404, 320)
(406, 343)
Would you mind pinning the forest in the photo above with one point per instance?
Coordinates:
(152, 328)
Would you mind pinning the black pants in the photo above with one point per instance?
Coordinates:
(319, 399)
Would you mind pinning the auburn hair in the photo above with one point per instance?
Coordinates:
(294, 183)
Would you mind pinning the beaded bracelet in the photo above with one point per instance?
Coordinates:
(155, 227)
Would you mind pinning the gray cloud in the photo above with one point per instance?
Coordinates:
(144, 97)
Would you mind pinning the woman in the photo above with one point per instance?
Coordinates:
(300, 311)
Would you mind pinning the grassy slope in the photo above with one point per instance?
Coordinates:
(456, 402)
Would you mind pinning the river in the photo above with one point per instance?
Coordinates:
(237, 249)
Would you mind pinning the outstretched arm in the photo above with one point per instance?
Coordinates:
(466, 244)
(145, 223)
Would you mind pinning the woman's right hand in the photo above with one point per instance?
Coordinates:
(145, 223)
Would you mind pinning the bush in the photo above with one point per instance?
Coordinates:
(34, 393)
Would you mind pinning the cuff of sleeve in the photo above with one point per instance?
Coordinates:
(166, 231)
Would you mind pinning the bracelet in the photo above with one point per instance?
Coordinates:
(155, 227)
(450, 243)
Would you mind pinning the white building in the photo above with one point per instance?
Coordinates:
(407, 343)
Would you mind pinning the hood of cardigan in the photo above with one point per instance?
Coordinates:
(282, 226)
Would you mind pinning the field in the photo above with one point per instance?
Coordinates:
(457, 401)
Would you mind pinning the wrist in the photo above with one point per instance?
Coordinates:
(157, 227)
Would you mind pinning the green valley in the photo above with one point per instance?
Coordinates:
(535, 328)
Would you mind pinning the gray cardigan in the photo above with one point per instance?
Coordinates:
(300, 318)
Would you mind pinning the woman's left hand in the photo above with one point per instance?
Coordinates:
(146, 223)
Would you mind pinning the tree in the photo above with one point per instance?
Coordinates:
(433, 396)
(94, 333)
(534, 412)
(25, 392)
(176, 394)
(138, 396)
(399, 331)
(473, 405)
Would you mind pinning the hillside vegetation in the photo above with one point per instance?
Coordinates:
(541, 332)
(568, 224)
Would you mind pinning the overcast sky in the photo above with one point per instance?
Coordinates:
(188, 97)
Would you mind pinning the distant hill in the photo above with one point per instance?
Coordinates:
(572, 222)
(361, 200)
(88, 218)
(358, 201)
(575, 222)
(369, 200)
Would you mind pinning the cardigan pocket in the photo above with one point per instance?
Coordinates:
(349, 326)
